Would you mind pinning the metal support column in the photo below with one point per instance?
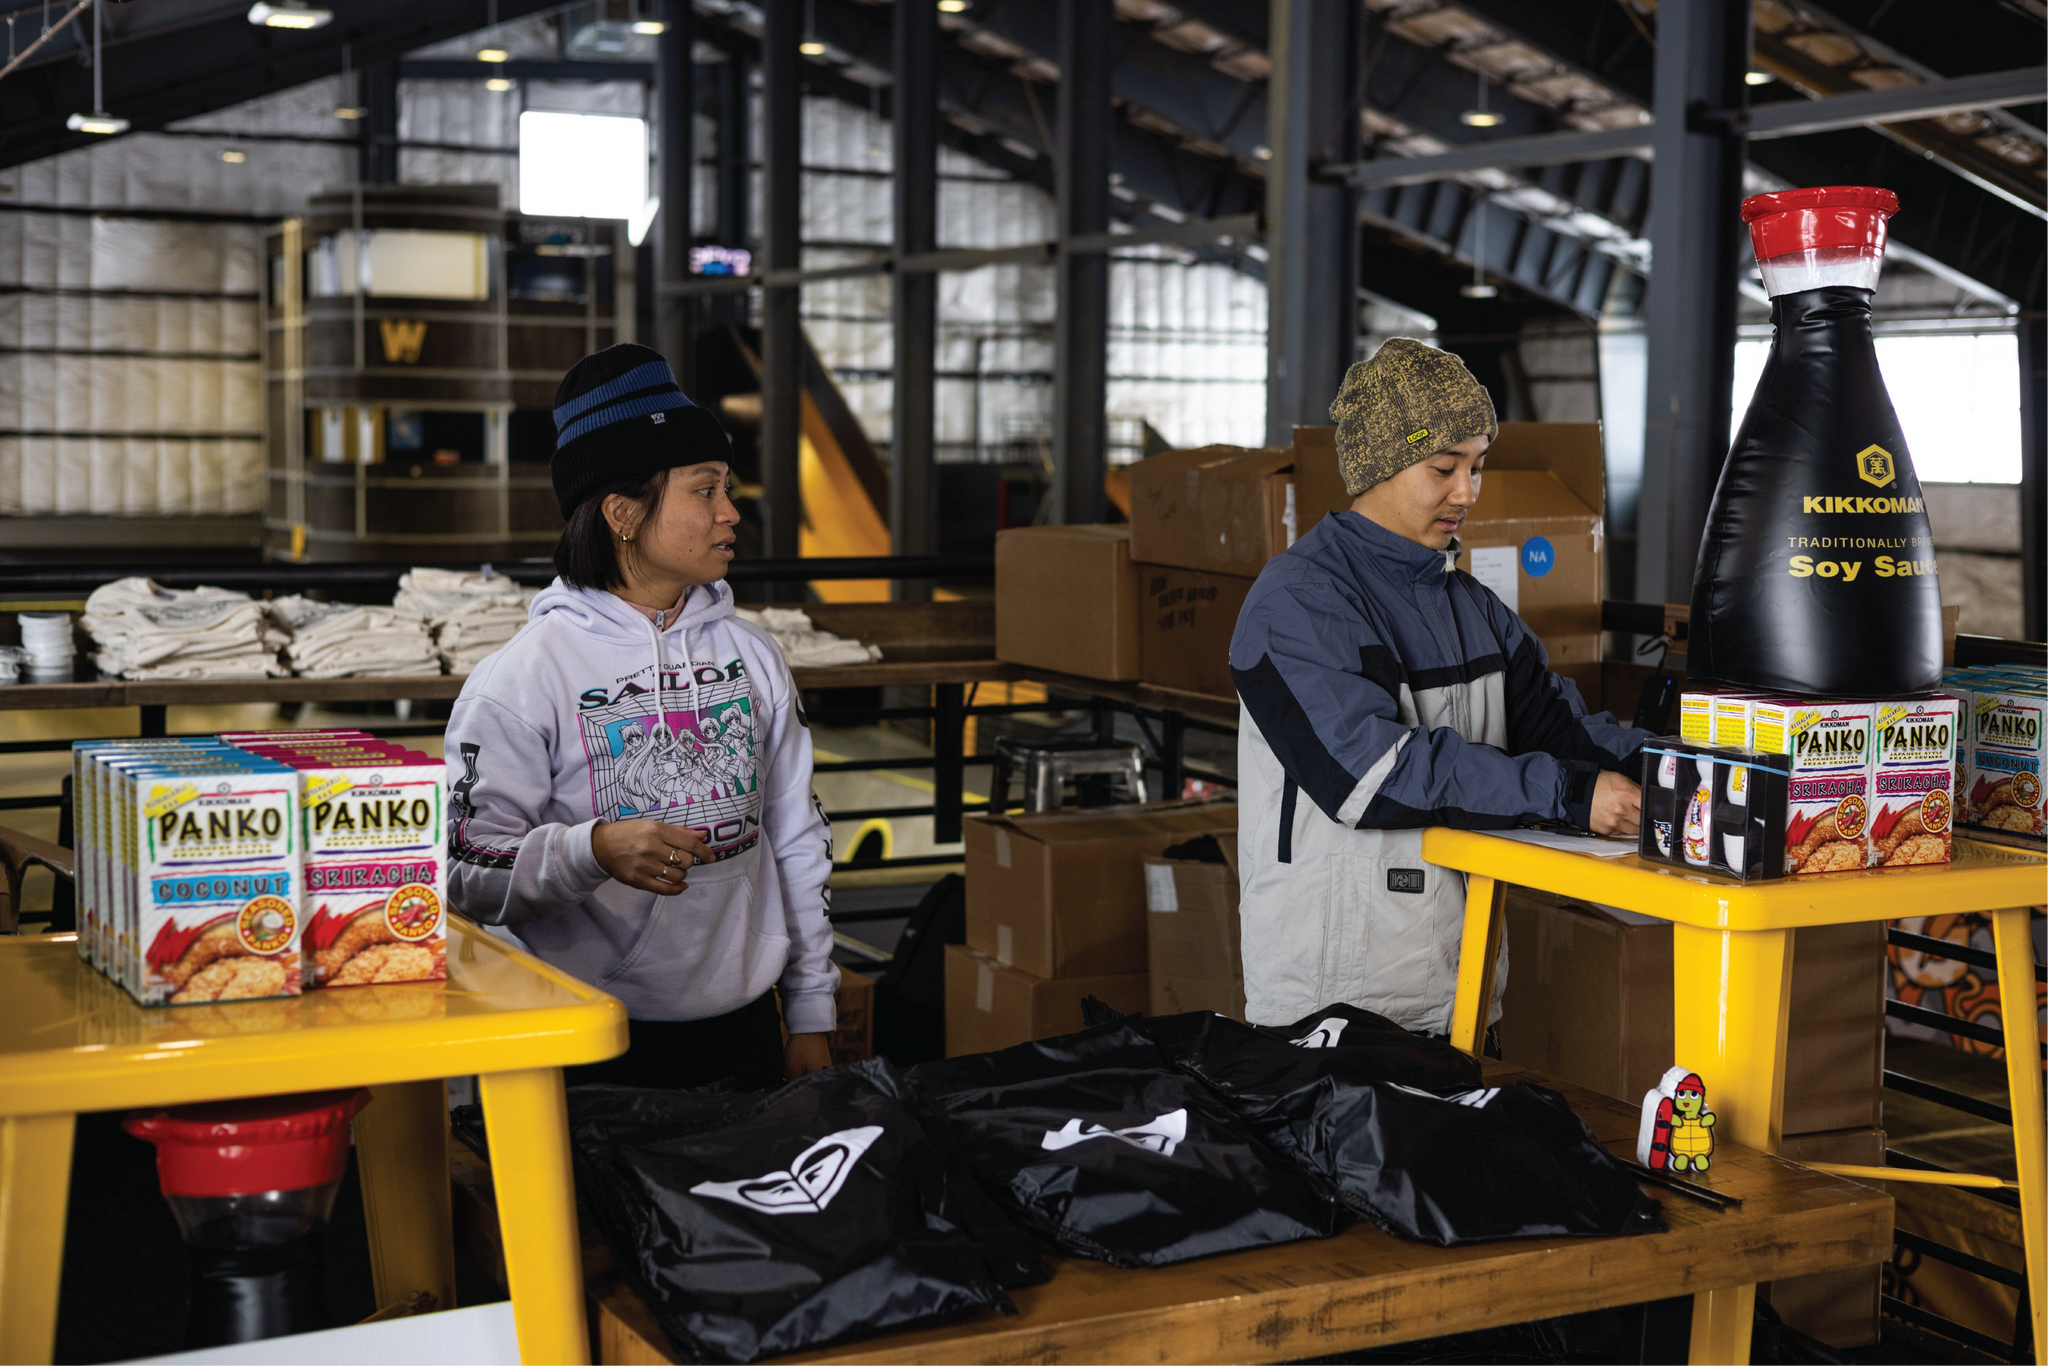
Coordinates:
(781, 351)
(677, 70)
(734, 173)
(1087, 41)
(377, 93)
(2033, 471)
(1696, 241)
(949, 738)
(1311, 226)
(913, 482)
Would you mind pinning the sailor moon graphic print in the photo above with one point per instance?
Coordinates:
(697, 764)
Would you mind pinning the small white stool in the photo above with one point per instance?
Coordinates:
(1047, 766)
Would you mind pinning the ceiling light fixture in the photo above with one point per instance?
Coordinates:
(289, 14)
(952, 6)
(493, 54)
(810, 46)
(1479, 289)
(99, 120)
(1480, 116)
(234, 158)
(1757, 78)
(351, 111)
(649, 28)
(497, 85)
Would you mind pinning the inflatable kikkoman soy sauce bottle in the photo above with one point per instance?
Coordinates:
(1816, 570)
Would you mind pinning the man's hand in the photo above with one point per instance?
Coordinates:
(1617, 806)
(648, 855)
(805, 1054)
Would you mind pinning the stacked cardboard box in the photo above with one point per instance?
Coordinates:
(1056, 912)
(1157, 601)
(1193, 936)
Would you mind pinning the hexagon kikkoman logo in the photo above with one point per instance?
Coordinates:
(1874, 465)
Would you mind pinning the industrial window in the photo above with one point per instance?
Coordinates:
(582, 165)
(1957, 395)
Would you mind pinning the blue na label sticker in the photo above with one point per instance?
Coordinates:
(1539, 557)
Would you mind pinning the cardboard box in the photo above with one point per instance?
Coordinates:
(1067, 599)
(1225, 509)
(1534, 537)
(1589, 999)
(1063, 894)
(1193, 935)
(1839, 1308)
(1187, 619)
(853, 1037)
(990, 1005)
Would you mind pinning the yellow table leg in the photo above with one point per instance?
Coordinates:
(1730, 991)
(402, 1153)
(1477, 954)
(526, 1118)
(2014, 944)
(35, 1186)
(1729, 994)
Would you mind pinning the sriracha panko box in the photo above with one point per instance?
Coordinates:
(1912, 769)
(375, 862)
(1827, 816)
(2006, 754)
(216, 879)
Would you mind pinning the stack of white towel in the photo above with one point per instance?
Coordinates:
(345, 640)
(803, 644)
(470, 615)
(146, 631)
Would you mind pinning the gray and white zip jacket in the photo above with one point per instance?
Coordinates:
(1382, 691)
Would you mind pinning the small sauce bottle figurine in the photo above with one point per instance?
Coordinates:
(1677, 1133)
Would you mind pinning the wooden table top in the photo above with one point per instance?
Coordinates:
(1366, 1288)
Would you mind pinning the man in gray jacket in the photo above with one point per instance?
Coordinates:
(1394, 692)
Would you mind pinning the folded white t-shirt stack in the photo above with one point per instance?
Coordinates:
(804, 646)
(470, 615)
(347, 640)
(144, 630)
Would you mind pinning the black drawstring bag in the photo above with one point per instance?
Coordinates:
(756, 1224)
(1097, 1142)
(1457, 1163)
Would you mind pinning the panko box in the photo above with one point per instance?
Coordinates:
(1827, 819)
(1912, 770)
(2006, 754)
(375, 864)
(216, 878)
(96, 931)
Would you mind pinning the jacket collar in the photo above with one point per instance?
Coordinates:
(1368, 544)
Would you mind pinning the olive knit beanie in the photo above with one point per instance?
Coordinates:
(1404, 405)
(620, 416)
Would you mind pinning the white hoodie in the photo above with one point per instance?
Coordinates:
(589, 715)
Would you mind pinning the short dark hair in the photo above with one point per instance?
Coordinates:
(587, 556)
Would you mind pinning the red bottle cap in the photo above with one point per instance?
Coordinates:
(1822, 217)
(246, 1147)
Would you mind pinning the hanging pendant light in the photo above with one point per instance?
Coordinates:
(99, 120)
(1479, 116)
(1479, 289)
(810, 46)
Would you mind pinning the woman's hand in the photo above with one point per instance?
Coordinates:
(805, 1054)
(647, 854)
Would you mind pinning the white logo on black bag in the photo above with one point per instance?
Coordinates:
(1161, 1135)
(659, 417)
(1323, 1035)
(1476, 1100)
(809, 1184)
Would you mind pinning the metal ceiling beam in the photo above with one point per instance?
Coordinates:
(1764, 122)
(914, 299)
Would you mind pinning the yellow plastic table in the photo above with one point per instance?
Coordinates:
(1731, 964)
(71, 1041)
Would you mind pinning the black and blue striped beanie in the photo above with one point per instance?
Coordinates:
(621, 418)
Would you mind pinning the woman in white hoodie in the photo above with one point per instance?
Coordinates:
(630, 775)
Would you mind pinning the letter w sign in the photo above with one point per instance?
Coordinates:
(402, 340)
